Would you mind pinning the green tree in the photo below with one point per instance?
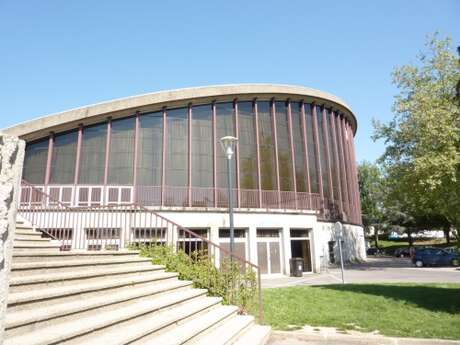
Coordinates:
(422, 157)
(371, 191)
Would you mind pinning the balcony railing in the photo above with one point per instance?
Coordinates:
(184, 197)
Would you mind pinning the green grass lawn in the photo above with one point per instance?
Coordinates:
(405, 310)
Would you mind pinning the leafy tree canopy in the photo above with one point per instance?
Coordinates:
(422, 157)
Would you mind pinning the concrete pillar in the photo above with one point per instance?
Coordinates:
(286, 249)
(11, 161)
(252, 245)
(214, 237)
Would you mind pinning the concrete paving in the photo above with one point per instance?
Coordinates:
(375, 270)
(330, 336)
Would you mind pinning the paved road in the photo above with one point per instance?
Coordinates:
(375, 270)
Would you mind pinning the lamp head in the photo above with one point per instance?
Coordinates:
(338, 227)
(228, 144)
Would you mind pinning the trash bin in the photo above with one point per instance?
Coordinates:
(296, 267)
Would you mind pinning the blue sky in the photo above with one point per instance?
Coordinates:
(56, 55)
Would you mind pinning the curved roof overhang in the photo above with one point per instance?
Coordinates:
(63, 121)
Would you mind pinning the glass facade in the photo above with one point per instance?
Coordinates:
(176, 159)
(284, 147)
(121, 157)
(202, 148)
(278, 141)
(35, 158)
(323, 152)
(225, 125)
(266, 147)
(92, 160)
(299, 148)
(150, 149)
(247, 146)
(64, 155)
(311, 145)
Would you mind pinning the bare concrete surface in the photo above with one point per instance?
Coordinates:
(375, 270)
(331, 336)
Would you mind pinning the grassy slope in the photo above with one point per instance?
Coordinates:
(407, 310)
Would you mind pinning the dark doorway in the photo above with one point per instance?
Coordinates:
(301, 249)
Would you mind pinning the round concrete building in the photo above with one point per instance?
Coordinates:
(294, 172)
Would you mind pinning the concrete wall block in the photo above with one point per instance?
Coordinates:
(11, 162)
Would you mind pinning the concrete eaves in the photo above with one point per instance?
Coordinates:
(67, 120)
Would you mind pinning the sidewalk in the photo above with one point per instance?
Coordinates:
(331, 336)
(375, 270)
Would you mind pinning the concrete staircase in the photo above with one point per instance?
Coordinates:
(111, 298)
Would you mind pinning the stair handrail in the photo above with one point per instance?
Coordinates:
(134, 207)
(42, 193)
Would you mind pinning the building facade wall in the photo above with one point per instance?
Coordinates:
(290, 155)
(294, 172)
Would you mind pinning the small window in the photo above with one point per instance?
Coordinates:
(238, 233)
(199, 232)
(105, 233)
(268, 233)
(299, 232)
(157, 233)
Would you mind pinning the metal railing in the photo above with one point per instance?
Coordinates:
(209, 198)
(112, 227)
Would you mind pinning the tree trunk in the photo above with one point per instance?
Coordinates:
(409, 236)
(376, 237)
(447, 234)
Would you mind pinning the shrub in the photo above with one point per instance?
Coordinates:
(235, 284)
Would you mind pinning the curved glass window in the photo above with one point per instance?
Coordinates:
(121, 158)
(343, 177)
(299, 149)
(177, 147)
(266, 147)
(225, 125)
(35, 158)
(64, 156)
(202, 152)
(323, 152)
(312, 159)
(92, 159)
(150, 153)
(247, 146)
(332, 154)
(284, 147)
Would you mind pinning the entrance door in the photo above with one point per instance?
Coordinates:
(268, 251)
(300, 247)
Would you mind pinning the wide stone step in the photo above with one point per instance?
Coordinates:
(72, 275)
(19, 268)
(30, 239)
(154, 325)
(28, 235)
(35, 244)
(185, 332)
(51, 294)
(47, 255)
(65, 331)
(255, 335)
(25, 320)
(225, 332)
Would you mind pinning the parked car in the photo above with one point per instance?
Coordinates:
(452, 250)
(374, 251)
(435, 257)
(402, 253)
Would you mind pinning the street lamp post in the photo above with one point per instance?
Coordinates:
(228, 144)
(339, 232)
